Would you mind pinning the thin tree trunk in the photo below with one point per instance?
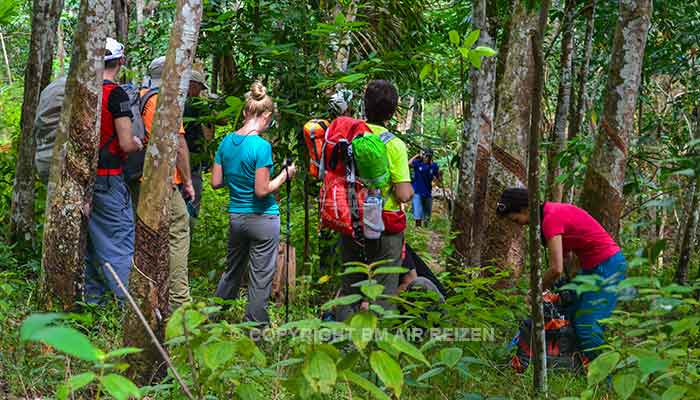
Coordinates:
(121, 20)
(7, 60)
(602, 189)
(44, 23)
(539, 355)
(477, 134)
(502, 245)
(75, 161)
(688, 241)
(342, 55)
(140, 4)
(149, 279)
(61, 51)
(581, 95)
(558, 139)
(215, 70)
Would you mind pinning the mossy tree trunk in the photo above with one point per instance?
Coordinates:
(502, 245)
(149, 280)
(75, 161)
(469, 210)
(561, 121)
(46, 14)
(602, 193)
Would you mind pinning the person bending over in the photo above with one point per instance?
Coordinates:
(243, 163)
(567, 228)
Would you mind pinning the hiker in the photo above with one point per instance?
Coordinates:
(424, 172)
(111, 219)
(198, 135)
(381, 99)
(567, 228)
(243, 164)
(179, 233)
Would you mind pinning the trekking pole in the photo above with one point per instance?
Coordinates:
(288, 241)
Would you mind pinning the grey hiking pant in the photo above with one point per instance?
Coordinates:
(253, 239)
(389, 248)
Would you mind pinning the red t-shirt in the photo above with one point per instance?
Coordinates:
(579, 232)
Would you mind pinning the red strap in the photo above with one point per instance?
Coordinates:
(109, 171)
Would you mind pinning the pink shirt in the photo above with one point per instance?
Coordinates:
(579, 232)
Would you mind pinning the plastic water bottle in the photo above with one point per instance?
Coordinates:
(373, 226)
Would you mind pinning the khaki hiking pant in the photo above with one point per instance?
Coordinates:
(179, 244)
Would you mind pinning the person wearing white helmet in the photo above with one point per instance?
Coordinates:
(111, 219)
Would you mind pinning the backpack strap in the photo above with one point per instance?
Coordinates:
(146, 97)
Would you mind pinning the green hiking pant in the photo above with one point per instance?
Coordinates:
(179, 238)
(179, 244)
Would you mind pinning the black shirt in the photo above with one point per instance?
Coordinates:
(194, 134)
(118, 103)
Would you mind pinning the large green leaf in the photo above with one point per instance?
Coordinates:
(602, 366)
(341, 301)
(388, 370)
(67, 340)
(483, 51)
(454, 37)
(624, 385)
(402, 345)
(471, 38)
(217, 354)
(36, 322)
(390, 270)
(649, 365)
(674, 392)
(451, 356)
(372, 291)
(119, 387)
(364, 384)
(74, 384)
(248, 391)
(176, 328)
(363, 325)
(320, 372)
(425, 71)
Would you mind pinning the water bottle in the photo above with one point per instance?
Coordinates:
(373, 226)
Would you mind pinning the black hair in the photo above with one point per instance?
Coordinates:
(111, 64)
(381, 100)
(513, 200)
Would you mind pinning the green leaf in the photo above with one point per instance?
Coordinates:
(454, 37)
(217, 354)
(355, 270)
(649, 365)
(349, 361)
(471, 38)
(400, 344)
(119, 387)
(122, 352)
(372, 291)
(483, 51)
(388, 371)
(351, 78)
(248, 391)
(450, 356)
(425, 71)
(363, 325)
(601, 367)
(624, 385)
(67, 340)
(74, 384)
(675, 392)
(340, 19)
(175, 326)
(320, 372)
(36, 322)
(430, 374)
(364, 384)
(464, 51)
(341, 301)
(390, 270)
(475, 60)
(684, 172)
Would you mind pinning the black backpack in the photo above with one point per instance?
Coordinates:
(133, 167)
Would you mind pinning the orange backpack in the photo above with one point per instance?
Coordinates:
(314, 137)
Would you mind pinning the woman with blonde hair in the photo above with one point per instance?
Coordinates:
(243, 164)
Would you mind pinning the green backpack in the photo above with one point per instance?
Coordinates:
(371, 160)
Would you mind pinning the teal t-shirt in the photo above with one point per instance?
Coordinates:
(239, 157)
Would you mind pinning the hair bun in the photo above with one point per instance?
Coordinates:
(258, 91)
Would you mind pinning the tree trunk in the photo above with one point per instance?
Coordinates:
(215, 70)
(44, 23)
(558, 138)
(580, 96)
(539, 355)
(342, 55)
(121, 20)
(149, 279)
(468, 215)
(7, 60)
(61, 51)
(602, 189)
(688, 241)
(140, 4)
(75, 161)
(503, 239)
